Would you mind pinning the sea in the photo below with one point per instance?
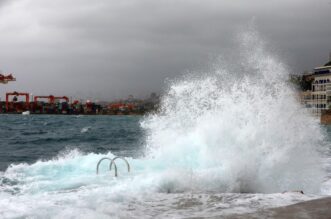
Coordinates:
(231, 140)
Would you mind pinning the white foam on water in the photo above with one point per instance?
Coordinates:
(227, 141)
(85, 129)
(68, 186)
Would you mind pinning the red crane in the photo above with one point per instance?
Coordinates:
(15, 94)
(5, 79)
(50, 98)
(65, 98)
(51, 101)
(36, 98)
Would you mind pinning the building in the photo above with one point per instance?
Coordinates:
(320, 89)
(306, 98)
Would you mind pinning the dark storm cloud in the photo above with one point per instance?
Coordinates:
(105, 49)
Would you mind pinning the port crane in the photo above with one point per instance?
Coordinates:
(51, 101)
(65, 98)
(4, 79)
(16, 94)
(51, 98)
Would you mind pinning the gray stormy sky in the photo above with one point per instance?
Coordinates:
(105, 49)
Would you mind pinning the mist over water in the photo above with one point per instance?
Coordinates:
(219, 140)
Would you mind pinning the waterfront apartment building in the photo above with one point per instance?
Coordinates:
(320, 94)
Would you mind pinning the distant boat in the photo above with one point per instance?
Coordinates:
(26, 113)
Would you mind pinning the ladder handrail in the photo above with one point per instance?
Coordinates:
(122, 158)
(111, 162)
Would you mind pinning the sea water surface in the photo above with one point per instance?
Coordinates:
(48, 170)
(231, 140)
(42, 137)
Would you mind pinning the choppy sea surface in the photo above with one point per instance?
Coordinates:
(42, 137)
(229, 141)
(48, 170)
(43, 158)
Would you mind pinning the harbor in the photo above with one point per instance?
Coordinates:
(23, 102)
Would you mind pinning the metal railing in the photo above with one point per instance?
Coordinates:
(112, 162)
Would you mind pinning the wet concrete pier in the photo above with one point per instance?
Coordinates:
(314, 209)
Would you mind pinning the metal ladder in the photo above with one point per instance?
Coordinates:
(112, 162)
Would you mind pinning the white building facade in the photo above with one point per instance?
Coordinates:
(321, 89)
